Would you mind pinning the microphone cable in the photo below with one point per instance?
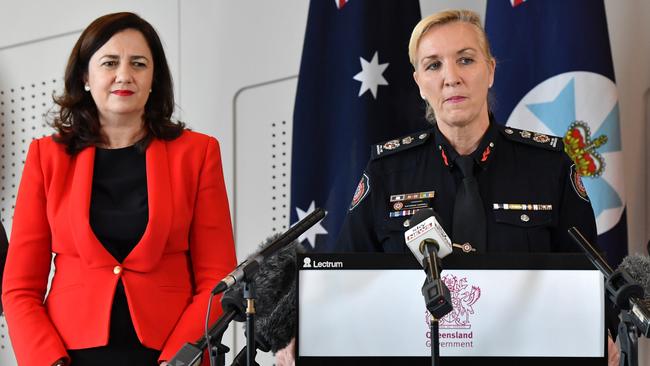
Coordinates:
(207, 332)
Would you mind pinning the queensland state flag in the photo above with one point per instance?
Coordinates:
(355, 89)
(555, 75)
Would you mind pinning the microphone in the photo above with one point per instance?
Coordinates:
(275, 305)
(621, 287)
(251, 265)
(425, 225)
(275, 320)
(638, 267)
(428, 242)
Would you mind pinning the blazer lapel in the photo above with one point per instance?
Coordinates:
(90, 249)
(145, 256)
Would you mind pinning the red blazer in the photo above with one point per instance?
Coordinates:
(186, 249)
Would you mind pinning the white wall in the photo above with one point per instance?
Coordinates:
(217, 48)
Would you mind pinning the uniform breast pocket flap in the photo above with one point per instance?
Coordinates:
(523, 218)
(397, 224)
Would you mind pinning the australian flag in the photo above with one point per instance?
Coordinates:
(355, 89)
(555, 75)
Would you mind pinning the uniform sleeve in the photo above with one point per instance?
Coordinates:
(212, 251)
(358, 233)
(575, 210)
(33, 336)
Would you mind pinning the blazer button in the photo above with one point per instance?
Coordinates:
(117, 270)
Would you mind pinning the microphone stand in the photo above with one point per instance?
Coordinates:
(435, 341)
(218, 350)
(249, 295)
(190, 354)
(436, 294)
(624, 292)
(629, 339)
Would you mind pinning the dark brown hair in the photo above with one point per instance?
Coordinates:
(77, 120)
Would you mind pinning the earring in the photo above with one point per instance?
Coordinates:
(150, 90)
(87, 87)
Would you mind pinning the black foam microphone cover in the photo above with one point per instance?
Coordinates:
(275, 303)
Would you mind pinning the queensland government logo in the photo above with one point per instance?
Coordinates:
(582, 107)
(455, 328)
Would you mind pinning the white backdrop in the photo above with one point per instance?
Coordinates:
(234, 63)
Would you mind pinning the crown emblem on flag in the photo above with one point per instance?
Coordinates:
(582, 149)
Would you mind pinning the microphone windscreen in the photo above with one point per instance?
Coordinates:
(279, 327)
(275, 287)
(638, 266)
(234, 300)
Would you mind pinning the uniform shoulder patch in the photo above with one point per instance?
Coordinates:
(548, 142)
(400, 144)
(576, 183)
(363, 188)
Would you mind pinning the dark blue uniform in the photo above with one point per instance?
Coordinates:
(530, 189)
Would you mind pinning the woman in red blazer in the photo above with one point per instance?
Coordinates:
(132, 206)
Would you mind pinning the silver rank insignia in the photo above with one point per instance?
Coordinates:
(541, 138)
(525, 134)
(407, 140)
(391, 145)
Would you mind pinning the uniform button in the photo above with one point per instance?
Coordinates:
(525, 218)
(117, 270)
(406, 223)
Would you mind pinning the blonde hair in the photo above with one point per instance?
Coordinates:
(446, 17)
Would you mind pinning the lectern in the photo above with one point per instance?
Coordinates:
(514, 309)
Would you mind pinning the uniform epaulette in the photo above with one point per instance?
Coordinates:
(403, 143)
(533, 138)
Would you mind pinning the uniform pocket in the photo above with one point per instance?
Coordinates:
(392, 234)
(531, 227)
(523, 218)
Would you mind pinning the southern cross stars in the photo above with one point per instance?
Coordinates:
(310, 234)
(371, 75)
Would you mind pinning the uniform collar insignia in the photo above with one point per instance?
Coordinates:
(482, 154)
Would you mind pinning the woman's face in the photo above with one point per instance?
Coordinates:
(453, 74)
(120, 75)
